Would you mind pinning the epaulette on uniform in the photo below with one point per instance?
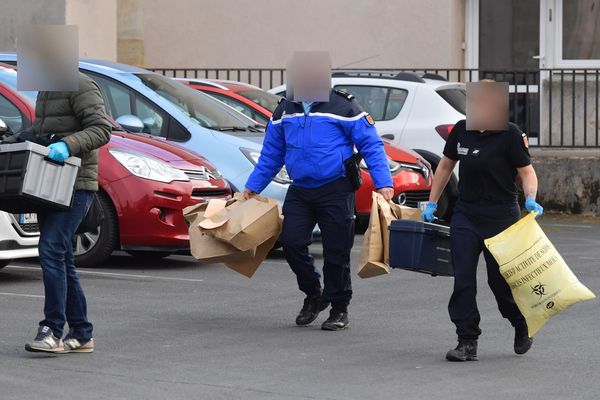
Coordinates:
(344, 94)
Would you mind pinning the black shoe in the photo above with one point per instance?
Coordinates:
(313, 305)
(465, 351)
(522, 340)
(337, 321)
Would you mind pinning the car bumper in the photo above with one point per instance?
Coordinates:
(150, 213)
(14, 242)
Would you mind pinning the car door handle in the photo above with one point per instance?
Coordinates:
(388, 136)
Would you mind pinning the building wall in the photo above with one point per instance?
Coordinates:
(96, 20)
(264, 33)
(15, 13)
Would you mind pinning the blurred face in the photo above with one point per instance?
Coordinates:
(48, 58)
(309, 76)
(487, 106)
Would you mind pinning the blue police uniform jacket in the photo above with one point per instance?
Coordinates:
(313, 147)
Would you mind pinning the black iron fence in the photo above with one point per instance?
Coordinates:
(556, 107)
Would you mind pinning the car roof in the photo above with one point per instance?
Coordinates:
(202, 82)
(113, 65)
(234, 85)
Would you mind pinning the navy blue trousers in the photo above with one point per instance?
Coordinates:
(471, 224)
(332, 207)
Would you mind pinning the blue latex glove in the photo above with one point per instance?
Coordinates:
(428, 214)
(59, 151)
(532, 205)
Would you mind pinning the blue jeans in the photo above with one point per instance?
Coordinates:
(64, 298)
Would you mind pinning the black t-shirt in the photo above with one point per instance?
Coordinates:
(488, 162)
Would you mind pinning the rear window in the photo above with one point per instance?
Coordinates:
(383, 103)
(262, 98)
(456, 97)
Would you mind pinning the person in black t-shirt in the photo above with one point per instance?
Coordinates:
(490, 162)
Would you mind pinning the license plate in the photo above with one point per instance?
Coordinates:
(28, 219)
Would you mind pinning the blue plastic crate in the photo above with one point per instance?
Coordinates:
(421, 247)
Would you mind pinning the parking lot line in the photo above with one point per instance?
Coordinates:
(114, 274)
(32, 296)
(559, 225)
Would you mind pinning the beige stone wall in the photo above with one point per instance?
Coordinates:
(130, 32)
(97, 21)
(264, 33)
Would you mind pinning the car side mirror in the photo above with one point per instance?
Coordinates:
(131, 123)
(3, 126)
(388, 136)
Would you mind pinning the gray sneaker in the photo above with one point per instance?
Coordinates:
(73, 345)
(45, 342)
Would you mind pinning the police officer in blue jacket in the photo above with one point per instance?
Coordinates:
(313, 140)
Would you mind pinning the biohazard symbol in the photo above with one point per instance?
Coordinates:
(539, 289)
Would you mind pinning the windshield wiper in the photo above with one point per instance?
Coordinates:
(228, 128)
(256, 128)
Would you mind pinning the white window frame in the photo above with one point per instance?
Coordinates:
(472, 34)
(557, 29)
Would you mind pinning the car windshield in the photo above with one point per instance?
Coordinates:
(456, 97)
(262, 98)
(8, 76)
(203, 109)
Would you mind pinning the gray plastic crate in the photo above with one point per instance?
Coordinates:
(29, 182)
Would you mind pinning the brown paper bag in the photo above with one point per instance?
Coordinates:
(375, 252)
(410, 213)
(244, 224)
(387, 213)
(249, 265)
(208, 249)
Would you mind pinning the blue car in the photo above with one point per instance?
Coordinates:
(169, 109)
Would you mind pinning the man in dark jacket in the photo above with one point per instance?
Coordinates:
(76, 124)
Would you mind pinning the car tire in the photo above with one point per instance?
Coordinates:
(149, 255)
(94, 248)
(4, 263)
(449, 195)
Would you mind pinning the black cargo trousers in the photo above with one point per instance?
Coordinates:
(471, 224)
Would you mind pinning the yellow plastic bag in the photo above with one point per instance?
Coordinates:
(541, 282)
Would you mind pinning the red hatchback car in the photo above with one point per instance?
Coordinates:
(412, 175)
(145, 182)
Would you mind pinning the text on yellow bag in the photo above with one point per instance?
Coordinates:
(541, 282)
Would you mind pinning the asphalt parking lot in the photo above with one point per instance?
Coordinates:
(174, 329)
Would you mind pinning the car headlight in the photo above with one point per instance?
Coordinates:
(149, 168)
(253, 156)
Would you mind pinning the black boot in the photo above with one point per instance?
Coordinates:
(313, 305)
(522, 340)
(465, 351)
(337, 321)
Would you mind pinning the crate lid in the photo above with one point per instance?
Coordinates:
(405, 225)
(35, 148)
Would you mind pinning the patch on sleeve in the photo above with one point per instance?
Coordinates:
(525, 140)
(370, 119)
